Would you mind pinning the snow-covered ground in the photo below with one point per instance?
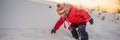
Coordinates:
(27, 20)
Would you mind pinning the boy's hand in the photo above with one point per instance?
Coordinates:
(91, 21)
(53, 31)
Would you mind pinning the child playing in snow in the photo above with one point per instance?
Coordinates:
(76, 17)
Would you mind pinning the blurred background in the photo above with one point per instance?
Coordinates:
(29, 20)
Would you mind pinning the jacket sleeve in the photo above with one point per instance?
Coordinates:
(86, 16)
(59, 23)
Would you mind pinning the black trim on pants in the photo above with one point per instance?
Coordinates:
(81, 30)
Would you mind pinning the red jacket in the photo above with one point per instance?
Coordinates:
(75, 15)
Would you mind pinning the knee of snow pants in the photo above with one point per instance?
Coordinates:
(82, 31)
(73, 31)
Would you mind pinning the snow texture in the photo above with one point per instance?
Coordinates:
(27, 20)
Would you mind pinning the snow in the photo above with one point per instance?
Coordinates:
(27, 20)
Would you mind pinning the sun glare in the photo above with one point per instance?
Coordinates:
(104, 5)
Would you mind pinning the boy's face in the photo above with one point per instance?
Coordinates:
(61, 11)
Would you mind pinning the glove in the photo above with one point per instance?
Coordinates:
(53, 31)
(91, 21)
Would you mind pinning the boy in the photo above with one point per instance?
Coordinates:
(76, 16)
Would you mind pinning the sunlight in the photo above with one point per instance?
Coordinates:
(104, 5)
